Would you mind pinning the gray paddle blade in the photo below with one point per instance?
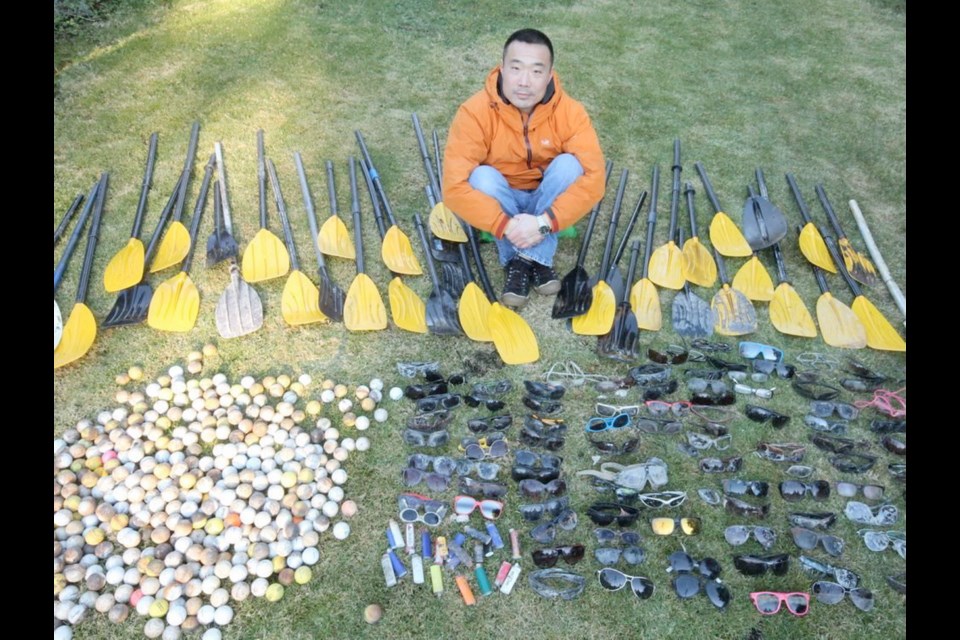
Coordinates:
(131, 306)
(444, 250)
(452, 278)
(575, 295)
(442, 316)
(621, 342)
(763, 224)
(734, 313)
(221, 246)
(57, 325)
(331, 298)
(239, 310)
(691, 315)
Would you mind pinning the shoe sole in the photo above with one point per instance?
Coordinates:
(514, 300)
(548, 288)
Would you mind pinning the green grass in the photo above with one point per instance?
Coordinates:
(816, 89)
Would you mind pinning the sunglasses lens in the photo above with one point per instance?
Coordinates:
(804, 538)
(642, 587)
(710, 568)
(544, 533)
(792, 491)
(573, 554)
(828, 592)
(680, 562)
(431, 518)
(798, 603)
(611, 579)
(464, 505)
(545, 557)
(766, 537)
(409, 515)
(690, 526)
(821, 409)
(736, 535)
(718, 593)
(820, 490)
(872, 492)
(491, 509)
(662, 526)
(767, 603)
(862, 599)
(488, 470)
(832, 545)
(634, 555)
(474, 452)
(748, 565)
(531, 512)
(686, 585)
(847, 411)
(607, 555)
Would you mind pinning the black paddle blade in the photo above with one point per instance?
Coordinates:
(131, 306)
(442, 316)
(615, 280)
(331, 298)
(444, 250)
(621, 342)
(452, 278)
(692, 315)
(221, 246)
(575, 295)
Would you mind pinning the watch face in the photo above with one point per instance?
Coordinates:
(544, 230)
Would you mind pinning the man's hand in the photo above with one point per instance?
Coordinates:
(523, 231)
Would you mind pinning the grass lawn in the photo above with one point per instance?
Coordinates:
(816, 89)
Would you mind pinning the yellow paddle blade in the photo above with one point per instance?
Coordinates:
(363, 308)
(598, 320)
(753, 281)
(512, 336)
(173, 248)
(789, 315)
(335, 239)
(473, 310)
(444, 224)
(265, 258)
(665, 268)
(880, 333)
(814, 249)
(727, 238)
(174, 305)
(397, 253)
(408, 310)
(300, 303)
(645, 302)
(125, 268)
(857, 264)
(734, 315)
(697, 265)
(78, 336)
(839, 325)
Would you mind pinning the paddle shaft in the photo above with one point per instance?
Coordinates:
(62, 227)
(675, 192)
(761, 183)
(721, 267)
(261, 179)
(92, 236)
(804, 212)
(371, 190)
(425, 156)
(74, 237)
(436, 157)
(282, 211)
(838, 260)
(614, 219)
(632, 270)
(585, 241)
(621, 249)
(331, 189)
(355, 209)
(187, 170)
(426, 249)
(198, 213)
(225, 201)
(376, 178)
(878, 260)
(311, 213)
(651, 219)
(145, 187)
(478, 259)
(831, 215)
(708, 187)
(154, 243)
(781, 265)
(689, 193)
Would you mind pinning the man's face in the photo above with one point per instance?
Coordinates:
(526, 73)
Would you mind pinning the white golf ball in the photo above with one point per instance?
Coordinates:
(341, 530)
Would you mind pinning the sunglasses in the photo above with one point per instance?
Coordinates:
(531, 488)
(880, 540)
(782, 370)
(672, 354)
(826, 409)
(756, 488)
(796, 490)
(609, 410)
(606, 536)
(717, 465)
(800, 471)
(441, 464)
(496, 388)
(898, 470)
(432, 421)
(704, 385)
(788, 452)
(547, 532)
(613, 448)
(521, 472)
(709, 496)
(537, 438)
(870, 491)
(548, 557)
(650, 374)
(894, 445)
(881, 515)
(659, 426)
(604, 513)
(746, 390)
(741, 508)
(741, 376)
(682, 562)
(484, 470)
(528, 458)
(812, 520)
(544, 406)
(415, 508)
(714, 429)
(754, 350)
(768, 602)
(472, 487)
(614, 580)
(662, 407)
(846, 578)
(598, 424)
(420, 439)
(435, 481)
(662, 499)
(496, 423)
(853, 462)
(752, 565)
(708, 399)
(612, 555)
(833, 593)
(762, 414)
(658, 390)
(553, 508)
(814, 389)
(489, 509)
(492, 404)
(625, 495)
(483, 448)
(738, 534)
(442, 401)
(546, 390)
(687, 585)
(818, 360)
(705, 442)
(666, 526)
(418, 391)
(411, 369)
(713, 414)
(888, 426)
(808, 540)
(824, 426)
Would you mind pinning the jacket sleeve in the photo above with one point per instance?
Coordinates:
(467, 147)
(586, 191)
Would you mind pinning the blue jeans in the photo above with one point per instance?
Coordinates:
(561, 173)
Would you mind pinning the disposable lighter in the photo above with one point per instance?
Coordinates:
(515, 544)
(482, 581)
(465, 590)
(494, 536)
(410, 538)
(398, 569)
(502, 574)
(436, 578)
(511, 580)
(416, 563)
(389, 577)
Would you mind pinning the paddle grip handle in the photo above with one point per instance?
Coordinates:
(831, 215)
(145, 187)
(707, 186)
(675, 191)
(841, 266)
(614, 219)
(92, 236)
(198, 213)
(261, 180)
(355, 209)
(75, 236)
(187, 170)
(426, 249)
(425, 156)
(795, 190)
(58, 232)
(164, 216)
(376, 178)
(591, 223)
(371, 190)
(311, 213)
(282, 211)
(651, 218)
(817, 272)
(626, 234)
(689, 193)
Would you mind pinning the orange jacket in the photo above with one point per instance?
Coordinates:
(487, 129)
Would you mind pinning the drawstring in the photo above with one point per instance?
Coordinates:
(886, 402)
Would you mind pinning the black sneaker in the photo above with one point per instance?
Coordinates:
(544, 279)
(516, 287)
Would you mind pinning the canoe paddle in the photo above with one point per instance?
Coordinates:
(266, 257)
(363, 308)
(725, 236)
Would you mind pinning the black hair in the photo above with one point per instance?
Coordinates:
(530, 36)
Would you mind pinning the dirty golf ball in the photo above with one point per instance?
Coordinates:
(363, 423)
(372, 614)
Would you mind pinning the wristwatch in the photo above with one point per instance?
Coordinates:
(544, 221)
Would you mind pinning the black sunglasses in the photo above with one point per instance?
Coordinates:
(752, 565)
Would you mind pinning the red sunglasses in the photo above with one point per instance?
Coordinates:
(768, 602)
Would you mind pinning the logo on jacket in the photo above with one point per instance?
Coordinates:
(545, 142)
